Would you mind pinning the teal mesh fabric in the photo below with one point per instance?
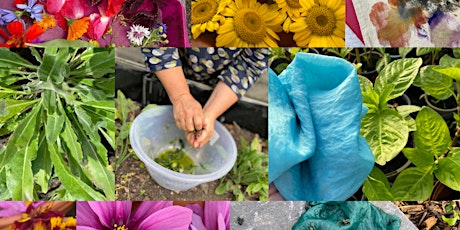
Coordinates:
(351, 215)
(315, 148)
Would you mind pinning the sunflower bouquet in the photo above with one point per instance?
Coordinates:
(25, 23)
(256, 23)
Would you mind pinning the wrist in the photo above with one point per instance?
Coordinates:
(178, 97)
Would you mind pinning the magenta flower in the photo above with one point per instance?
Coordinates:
(97, 26)
(215, 215)
(97, 215)
(12, 208)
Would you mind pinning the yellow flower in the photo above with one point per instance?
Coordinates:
(321, 25)
(48, 22)
(291, 7)
(206, 15)
(249, 23)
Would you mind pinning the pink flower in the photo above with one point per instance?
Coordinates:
(215, 215)
(54, 6)
(110, 8)
(97, 26)
(74, 9)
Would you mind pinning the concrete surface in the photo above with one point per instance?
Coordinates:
(133, 58)
(280, 215)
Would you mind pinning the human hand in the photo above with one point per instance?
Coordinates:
(188, 113)
(200, 138)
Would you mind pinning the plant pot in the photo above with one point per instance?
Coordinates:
(368, 67)
(402, 100)
(449, 107)
(442, 192)
(279, 64)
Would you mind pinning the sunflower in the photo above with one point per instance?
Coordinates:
(249, 23)
(206, 15)
(291, 7)
(321, 25)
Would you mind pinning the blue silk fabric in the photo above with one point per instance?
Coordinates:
(316, 152)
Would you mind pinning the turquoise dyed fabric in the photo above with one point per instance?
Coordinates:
(315, 111)
(351, 215)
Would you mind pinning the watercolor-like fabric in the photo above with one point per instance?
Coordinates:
(315, 148)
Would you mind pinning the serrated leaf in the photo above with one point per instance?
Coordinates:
(448, 171)
(405, 110)
(9, 59)
(42, 165)
(386, 133)
(76, 187)
(432, 134)
(436, 84)
(23, 149)
(400, 74)
(54, 66)
(413, 184)
(376, 186)
(10, 108)
(419, 157)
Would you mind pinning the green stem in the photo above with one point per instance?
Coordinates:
(358, 59)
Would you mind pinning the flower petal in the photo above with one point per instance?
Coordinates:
(109, 212)
(147, 208)
(54, 6)
(97, 26)
(86, 216)
(74, 9)
(212, 209)
(171, 218)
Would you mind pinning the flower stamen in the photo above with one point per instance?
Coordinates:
(321, 20)
(249, 26)
(119, 227)
(204, 11)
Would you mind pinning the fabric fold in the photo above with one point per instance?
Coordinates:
(315, 148)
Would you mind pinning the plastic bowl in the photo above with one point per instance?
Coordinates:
(154, 131)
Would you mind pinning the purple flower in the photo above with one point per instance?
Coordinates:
(97, 215)
(6, 16)
(215, 215)
(35, 10)
(161, 28)
(11, 208)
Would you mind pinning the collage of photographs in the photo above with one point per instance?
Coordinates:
(229, 114)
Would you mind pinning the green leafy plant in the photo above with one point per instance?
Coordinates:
(385, 128)
(249, 175)
(125, 112)
(451, 208)
(57, 111)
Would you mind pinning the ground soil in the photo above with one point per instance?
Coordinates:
(133, 182)
(428, 214)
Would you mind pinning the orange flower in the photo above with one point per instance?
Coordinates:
(17, 39)
(48, 22)
(77, 28)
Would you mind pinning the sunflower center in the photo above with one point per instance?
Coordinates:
(321, 20)
(119, 227)
(203, 11)
(293, 3)
(249, 26)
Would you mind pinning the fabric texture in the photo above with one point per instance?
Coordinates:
(315, 148)
(355, 215)
(238, 68)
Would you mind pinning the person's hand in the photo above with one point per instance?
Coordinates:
(200, 138)
(188, 113)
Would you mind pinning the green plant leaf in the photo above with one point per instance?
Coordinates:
(404, 51)
(386, 133)
(108, 105)
(452, 72)
(405, 110)
(53, 126)
(448, 171)
(10, 108)
(419, 157)
(54, 66)
(456, 52)
(410, 122)
(76, 187)
(425, 50)
(413, 184)
(62, 43)
(436, 84)
(42, 165)
(96, 64)
(23, 149)
(9, 59)
(451, 221)
(400, 74)
(432, 133)
(376, 186)
(448, 61)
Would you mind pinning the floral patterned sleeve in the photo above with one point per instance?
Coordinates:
(161, 58)
(247, 66)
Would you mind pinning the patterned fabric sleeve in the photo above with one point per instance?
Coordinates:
(248, 65)
(161, 58)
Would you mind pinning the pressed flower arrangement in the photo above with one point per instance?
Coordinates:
(25, 23)
(255, 23)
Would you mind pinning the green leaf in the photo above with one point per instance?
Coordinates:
(108, 105)
(376, 186)
(54, 67)
(451, 221)
(36, 54)
(53, 126)
(42, 165)
(10, 108)
(404, 51)
(452, 72)
(6, 92)
(386, 133)
(62, 43)
(436, 84)
(456, 52)
(23, 136)
(410, 122)
(96, 154)
(223, 187)
(432, 133)
(96, 64)
(365, 84)
(400, 74)
(419, 157)
(413, 184)
(4, 192)
(9, 59)
(76, 187)
(448, 171)
(49, 100)
(405, 110)
(23, 149)
(448, 61)
(425, 50)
